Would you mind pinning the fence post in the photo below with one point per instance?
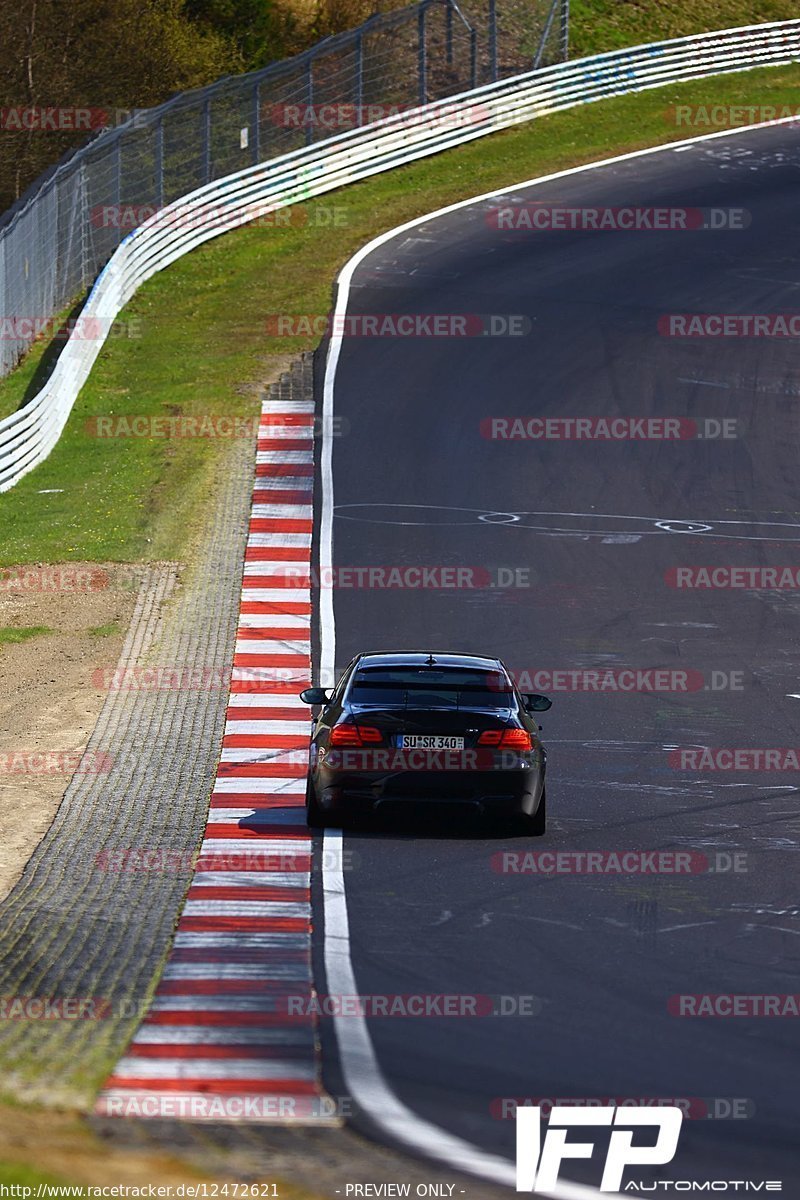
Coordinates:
(206, 139)
(556, 5)
(118, 172)
(6, 357)
(255, 118)
(564, 30)
(492, 40)
(159, 164)
(359, 78)
(310, 94)
(448, 33)
(473, 58)
(422, 54)
(85, 227)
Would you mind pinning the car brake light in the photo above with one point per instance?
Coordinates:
(354, 735)
(507, 739)
(491, 737)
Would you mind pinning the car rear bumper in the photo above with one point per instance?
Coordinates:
(483, 793)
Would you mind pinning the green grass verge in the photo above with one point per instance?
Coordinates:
(11, 635)
(103, 631)
(597, 25)
(29, 1177)
(203, 326)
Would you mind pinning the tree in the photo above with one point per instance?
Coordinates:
(261, 30)
(100, 55)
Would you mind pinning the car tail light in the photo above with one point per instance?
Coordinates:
(354, 735)
(507, 739)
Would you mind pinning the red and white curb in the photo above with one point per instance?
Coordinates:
(230, 1034)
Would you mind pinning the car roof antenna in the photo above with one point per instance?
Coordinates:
(430, 661)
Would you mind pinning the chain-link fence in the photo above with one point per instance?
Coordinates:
(57, 238)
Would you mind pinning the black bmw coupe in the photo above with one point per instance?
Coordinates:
(444, 730)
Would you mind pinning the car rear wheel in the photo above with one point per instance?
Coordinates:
(316, 818)
(537, 824)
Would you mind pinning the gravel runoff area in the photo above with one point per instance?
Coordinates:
(81, 924)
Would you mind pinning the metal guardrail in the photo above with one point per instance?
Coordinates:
(28, 435)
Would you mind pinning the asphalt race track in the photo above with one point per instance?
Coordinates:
(594, 528)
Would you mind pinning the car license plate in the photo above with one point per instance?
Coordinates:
(415, 741)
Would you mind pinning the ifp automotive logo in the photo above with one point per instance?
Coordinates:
(538, 1164)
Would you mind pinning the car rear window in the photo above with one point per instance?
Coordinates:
(431, 687)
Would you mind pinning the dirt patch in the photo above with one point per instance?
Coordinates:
(49, 704)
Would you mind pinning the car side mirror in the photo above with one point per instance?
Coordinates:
(535, 703)
(315, 695)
